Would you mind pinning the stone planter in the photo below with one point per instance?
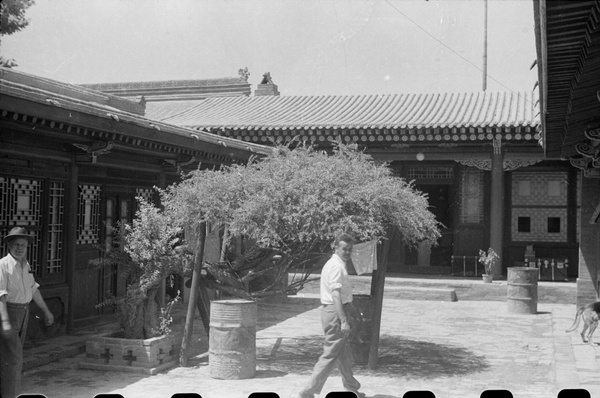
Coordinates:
(487, 278)
(146, 356)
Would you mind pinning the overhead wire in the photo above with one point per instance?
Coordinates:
(455, 52)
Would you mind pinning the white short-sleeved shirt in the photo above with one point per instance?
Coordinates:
(335, 276)
(16, 281)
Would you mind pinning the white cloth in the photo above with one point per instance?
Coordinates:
(16, 281)
(364, 257)
(334, 275)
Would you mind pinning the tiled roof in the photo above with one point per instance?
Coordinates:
(166, 84)
(108, 120)
(397, 114)
(568, 47)
(176, 90)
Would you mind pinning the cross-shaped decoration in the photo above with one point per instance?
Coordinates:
(107, 355)
(129, 358)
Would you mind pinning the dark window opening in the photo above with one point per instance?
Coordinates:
(524, 224)
(553, 224)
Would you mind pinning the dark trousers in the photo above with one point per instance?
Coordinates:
(336, 352)
(11, 352)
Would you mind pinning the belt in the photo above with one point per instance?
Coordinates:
(16, 306)
(344, 304)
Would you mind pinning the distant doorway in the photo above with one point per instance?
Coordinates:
(424, 257)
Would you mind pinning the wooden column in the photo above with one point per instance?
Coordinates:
(70, 238)
(377, 286)
(497, 206)
(189, 319)
(589, 245)
(162, 185)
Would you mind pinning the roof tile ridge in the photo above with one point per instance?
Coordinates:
(470, 108)
(182, 113)
(379, 114)
(445, 111)
(364, 117)
(395, 108)
(487, 105)
(304, 104)
(294, 109)
(355, 106)
(500, 114)
(257, 108)
(215, 110)
(327, 103)
(421, 110)
(335, 115)
(429, 118)
(404, 110)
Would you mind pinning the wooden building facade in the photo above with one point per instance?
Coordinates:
(478, 156)
(568, 57)
(73, 161)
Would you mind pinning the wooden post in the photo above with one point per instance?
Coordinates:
(189, 319)
(72, 201)
(497, 206)
(203, 304)
(377, 285)
(162, 290)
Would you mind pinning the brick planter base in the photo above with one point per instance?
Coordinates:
(149, 356)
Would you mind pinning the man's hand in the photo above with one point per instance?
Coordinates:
(345, 328)
(49, 318)
(6, 329)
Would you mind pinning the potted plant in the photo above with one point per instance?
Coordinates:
(488, 259)
(147, 252)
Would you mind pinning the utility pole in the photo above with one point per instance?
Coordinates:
(485, 29)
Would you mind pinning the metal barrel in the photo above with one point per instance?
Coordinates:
(522, 291)
(361, 321)
(232, 339)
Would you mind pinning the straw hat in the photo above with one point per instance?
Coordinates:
(17, 232)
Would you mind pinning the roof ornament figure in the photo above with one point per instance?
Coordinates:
(244, 73)
(267, 78)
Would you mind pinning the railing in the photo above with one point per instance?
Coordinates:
(469, 265)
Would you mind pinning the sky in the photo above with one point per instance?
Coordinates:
(310, 47)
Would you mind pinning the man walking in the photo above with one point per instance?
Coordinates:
(336, 296)
(17, 289)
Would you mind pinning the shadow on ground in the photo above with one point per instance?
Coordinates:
(273, 312)
(398, 357)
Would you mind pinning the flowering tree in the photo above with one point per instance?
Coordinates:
(293, 203)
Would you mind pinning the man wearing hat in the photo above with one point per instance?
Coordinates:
(17, 289)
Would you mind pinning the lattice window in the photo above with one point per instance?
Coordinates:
(55, 227)
(538, 222)
(539, 206)
(471, 196)
(20, 205)
(539, 189)
(24, 202)
(4, 200)
(146, 193)
(88, 217)
(430, 173)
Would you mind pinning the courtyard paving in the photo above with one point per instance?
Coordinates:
(453, 349)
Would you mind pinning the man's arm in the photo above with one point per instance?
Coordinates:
(39, 300)
(5, 328)
(339, 310)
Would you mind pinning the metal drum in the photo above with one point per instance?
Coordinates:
(232, 339)
(522, 292)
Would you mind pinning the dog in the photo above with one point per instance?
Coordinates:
(591, 315)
